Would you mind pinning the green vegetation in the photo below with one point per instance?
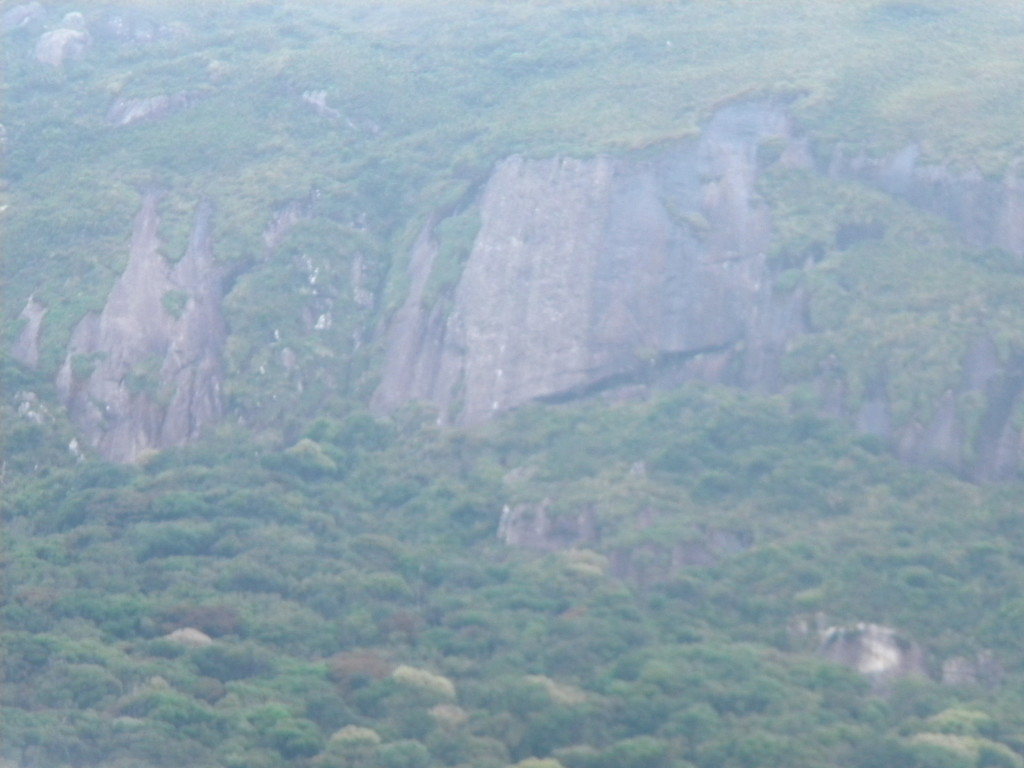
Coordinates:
(343, 592)
(455, 236)
(893, 295)
(356, 608)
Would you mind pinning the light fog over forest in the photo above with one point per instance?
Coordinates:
(568, 384)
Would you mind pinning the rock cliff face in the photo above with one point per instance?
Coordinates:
(26, 346)
(874, 650)
(592, 275)
(615, 276)
(987, 214)
(145, 372)
(627, 274)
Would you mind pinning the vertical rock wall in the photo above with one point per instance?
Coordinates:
(603, 273)
(626, 274)
(145, 372)
(26, 347)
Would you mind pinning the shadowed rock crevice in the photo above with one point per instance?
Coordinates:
(145, 372)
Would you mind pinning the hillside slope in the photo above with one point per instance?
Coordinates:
(560, 385)
(702, 580)
(324, 176)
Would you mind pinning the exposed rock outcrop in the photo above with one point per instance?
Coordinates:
(982, 669)
(26, 346)
(127, 111)
(876, 651)
(318, 101)
(995, 450)
(145, 373)
(532, 526)
(884, 654)
(622, 275)
(58, 45)
(988, 213)
(190, 637)
(598, 274)
(283, 221)
(536, 526)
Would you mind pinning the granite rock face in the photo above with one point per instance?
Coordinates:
(145, 373)
(623, 275)
(876, 651)
(59, 45)
(603, 276)
(987, 213)
(600, 275)
(128, 111)
(26, 347)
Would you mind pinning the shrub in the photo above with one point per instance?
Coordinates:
(225, 661)
(428, 684)
(403, 754)
(295, 737)
(355, 669)
(174, 539)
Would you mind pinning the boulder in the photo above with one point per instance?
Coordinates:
(59, 45)
(876, 651)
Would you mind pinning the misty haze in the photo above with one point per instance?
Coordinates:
(548, 384)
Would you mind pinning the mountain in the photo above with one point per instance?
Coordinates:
(563, 275)
(572, 383)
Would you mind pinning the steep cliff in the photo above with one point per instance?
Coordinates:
(600, 274)
(145, 372)
(622, 275)
(987, 215)
(987, 212)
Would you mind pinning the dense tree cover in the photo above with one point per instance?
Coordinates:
(357, 608)
(330, 590)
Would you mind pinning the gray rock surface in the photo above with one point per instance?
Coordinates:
(874, 650)
(612, 276)
(26, 346)
(622, 275)
(537, 526)
(145, 373)
(987, 212)
(598, 274)
(58, 45)
(127, 111)
(532, 526)
(981, 669)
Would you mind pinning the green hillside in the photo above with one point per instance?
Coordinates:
(315, 586)
(354, 581)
